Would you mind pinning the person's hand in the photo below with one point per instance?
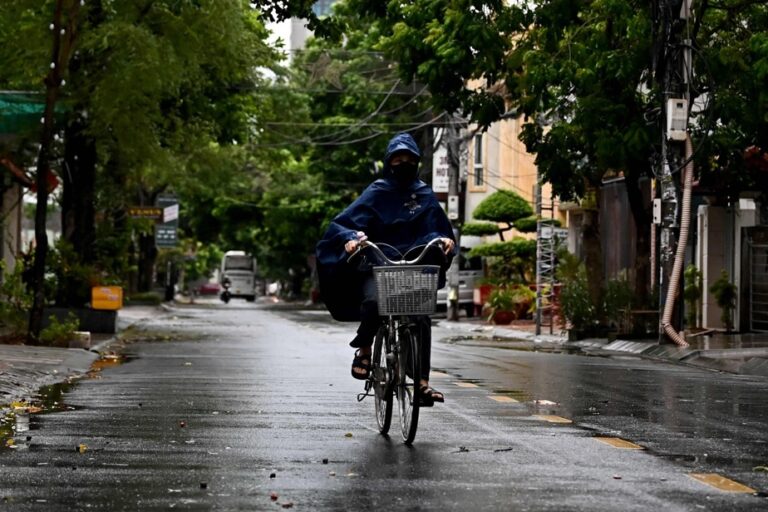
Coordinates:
(351, 245)
(447, 245)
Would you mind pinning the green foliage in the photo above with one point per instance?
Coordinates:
(152, 298)
(15, 300)
(503, 206)
(518, 299)
(619, 300)
(725, 294)
(59, 334)
(205, 259)
(480, 229)
(694, 285)
(575, 302)
(511, 261)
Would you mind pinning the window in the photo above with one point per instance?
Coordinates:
(478, 161)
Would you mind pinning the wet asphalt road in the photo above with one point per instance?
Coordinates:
(227, 407)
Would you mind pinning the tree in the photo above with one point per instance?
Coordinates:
(155, 90)
(503, 206)
(581, 75)
(513, 259)
(64, 30)
(356, 102)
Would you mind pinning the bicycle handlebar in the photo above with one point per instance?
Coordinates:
(362, 245)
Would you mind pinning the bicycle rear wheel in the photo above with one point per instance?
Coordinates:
(409, 369)
(382, 380)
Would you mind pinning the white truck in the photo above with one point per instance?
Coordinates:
(238, 276)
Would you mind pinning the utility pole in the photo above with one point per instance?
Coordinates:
(673, 68)
(455, 145)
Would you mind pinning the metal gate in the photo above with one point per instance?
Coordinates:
(758, 296)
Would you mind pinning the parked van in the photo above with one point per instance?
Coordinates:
(238, 276)
(470, 273)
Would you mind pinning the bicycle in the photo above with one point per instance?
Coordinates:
(405, 290)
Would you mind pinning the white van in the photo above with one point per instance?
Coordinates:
(238, 276)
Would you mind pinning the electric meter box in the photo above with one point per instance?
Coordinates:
(677, 119)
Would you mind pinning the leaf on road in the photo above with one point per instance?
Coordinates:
(81, 448)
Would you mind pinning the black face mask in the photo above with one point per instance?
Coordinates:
(404, 173)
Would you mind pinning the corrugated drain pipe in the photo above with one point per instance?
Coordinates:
(682, 241)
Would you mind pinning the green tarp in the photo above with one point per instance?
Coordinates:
(20, 112)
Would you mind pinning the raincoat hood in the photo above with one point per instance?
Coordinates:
(400, 142)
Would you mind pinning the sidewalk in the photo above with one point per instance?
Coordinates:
(24, 369)
(745, 354)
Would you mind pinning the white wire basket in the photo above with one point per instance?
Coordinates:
(406, 289)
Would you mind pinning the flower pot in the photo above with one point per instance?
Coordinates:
(503, 317)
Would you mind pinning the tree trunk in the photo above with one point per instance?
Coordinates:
(593, 249)
(60, 53)
(147, 258)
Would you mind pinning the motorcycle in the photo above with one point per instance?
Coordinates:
(225, 294)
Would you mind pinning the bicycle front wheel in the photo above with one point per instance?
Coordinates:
(409, 369)
(382, 379)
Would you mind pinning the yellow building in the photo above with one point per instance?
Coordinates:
(498, 160)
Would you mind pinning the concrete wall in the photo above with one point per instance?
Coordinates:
(712, 258)
(720, 247)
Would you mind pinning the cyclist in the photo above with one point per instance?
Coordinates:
(399, 210)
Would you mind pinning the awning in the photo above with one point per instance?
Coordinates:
(20, 112)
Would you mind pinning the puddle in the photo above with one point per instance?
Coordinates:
(19, 418)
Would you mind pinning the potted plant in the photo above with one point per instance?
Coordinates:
(575, 303)
(725, 295)
(500, 306)
(509, 303)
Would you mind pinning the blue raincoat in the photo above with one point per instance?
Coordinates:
(388, 211)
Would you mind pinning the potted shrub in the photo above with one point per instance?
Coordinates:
(509, 303)
(725, 295)
(575, 302)
(500, 306)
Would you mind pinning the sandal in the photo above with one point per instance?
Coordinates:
(428, 396)
(362, 364)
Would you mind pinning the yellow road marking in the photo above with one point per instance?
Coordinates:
(503, 399)
(466, 385)
(721, 483)
(553, 419)
(619, 443)
(434, 373)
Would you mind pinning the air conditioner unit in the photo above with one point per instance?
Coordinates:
(677, 118)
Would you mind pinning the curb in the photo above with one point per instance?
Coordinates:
(739, 361)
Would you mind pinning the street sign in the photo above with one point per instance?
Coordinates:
(166, 233)
(145, 212)
(171, 212)
(440, 176)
